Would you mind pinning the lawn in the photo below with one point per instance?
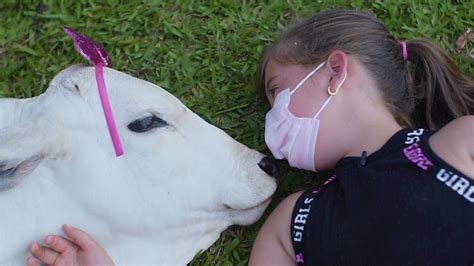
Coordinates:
(205, 53)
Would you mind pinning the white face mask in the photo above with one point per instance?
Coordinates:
(290, 137)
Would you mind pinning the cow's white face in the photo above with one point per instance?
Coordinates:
(180, 183)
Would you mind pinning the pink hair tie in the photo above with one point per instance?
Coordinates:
(404, 50)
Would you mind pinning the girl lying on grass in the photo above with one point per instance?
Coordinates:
(392, 119)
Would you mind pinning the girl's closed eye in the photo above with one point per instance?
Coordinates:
(272, 91)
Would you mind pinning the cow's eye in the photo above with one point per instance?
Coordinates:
(146, 124)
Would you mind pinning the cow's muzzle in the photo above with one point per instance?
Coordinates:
(268, 166)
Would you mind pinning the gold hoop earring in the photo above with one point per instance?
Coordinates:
(332, 93)
(338, 86)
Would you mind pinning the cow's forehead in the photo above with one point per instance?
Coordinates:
(140, 94)
(123, 89)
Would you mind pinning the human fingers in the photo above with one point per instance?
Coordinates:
(44, 254)
(31, 261)
(60, 244)
(79, 237)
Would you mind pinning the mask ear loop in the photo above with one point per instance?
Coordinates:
(338, 86)
(307, 77)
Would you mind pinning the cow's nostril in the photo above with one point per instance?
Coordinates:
(267, 165)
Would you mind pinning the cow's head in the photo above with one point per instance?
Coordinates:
(180, 182)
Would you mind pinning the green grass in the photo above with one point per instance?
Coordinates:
(205, 53)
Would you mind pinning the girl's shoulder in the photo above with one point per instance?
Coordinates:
(454, 143)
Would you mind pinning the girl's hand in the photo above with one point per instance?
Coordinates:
(79, 249)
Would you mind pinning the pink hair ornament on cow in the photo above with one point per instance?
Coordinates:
(96, 55)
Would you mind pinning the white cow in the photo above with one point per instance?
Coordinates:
(180, 183)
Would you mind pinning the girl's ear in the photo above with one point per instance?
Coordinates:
(337, 66)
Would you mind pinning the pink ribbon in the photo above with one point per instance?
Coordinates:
(96, 54)
(109, 117)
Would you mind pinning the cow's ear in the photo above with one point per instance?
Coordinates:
(12, 171)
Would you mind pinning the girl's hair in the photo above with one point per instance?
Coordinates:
(426, 90)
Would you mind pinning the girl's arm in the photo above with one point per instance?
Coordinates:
(454, 143)
(273, 245)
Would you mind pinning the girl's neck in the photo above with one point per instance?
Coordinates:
(373, 124)
(372, 132)
(373, 141)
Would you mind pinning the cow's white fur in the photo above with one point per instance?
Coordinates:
(172, 193)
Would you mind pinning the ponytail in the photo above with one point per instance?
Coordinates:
(438, 90)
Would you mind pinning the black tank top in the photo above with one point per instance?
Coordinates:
(402, 205)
